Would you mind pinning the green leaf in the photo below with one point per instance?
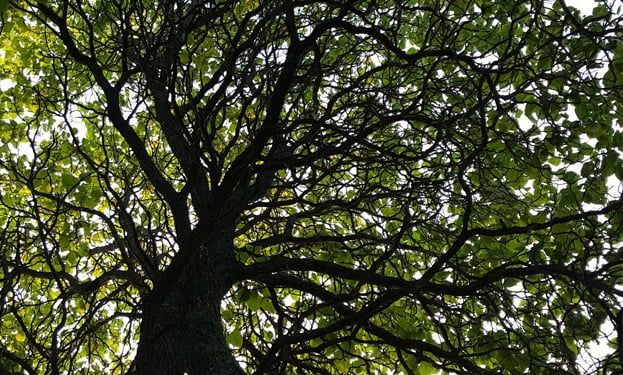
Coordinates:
(235, 338)
(254, 301)
(69, 180)
(582, 111)
(425, 368)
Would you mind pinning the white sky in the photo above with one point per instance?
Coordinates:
(585, 6)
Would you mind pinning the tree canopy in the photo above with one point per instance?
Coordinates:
(310, 187)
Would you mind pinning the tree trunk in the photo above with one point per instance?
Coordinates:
(181, 329)
(184, 339)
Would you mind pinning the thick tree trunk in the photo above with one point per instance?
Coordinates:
(181, 329)
(184, 339)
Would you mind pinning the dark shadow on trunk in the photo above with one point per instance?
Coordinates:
(181, 329)
(184, 339)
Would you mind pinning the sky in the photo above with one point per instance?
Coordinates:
(585, 6)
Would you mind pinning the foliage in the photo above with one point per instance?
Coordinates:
(413, 187)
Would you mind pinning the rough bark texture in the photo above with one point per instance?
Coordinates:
(181, 329)
(181, 339)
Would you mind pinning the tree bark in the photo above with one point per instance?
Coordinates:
(184, 339)
(181, 328)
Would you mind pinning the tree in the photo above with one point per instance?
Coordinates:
(310, 187)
